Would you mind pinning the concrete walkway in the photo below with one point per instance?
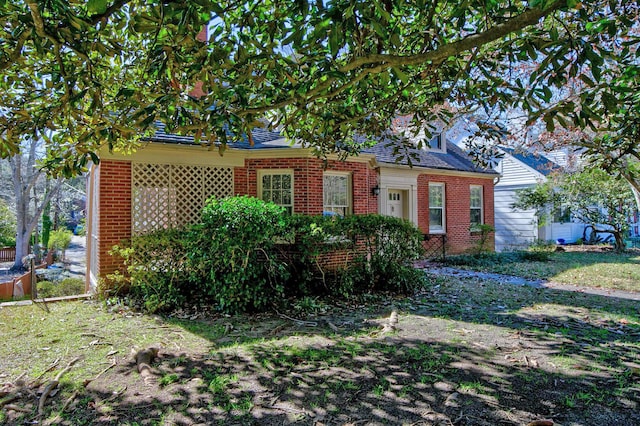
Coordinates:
(76, 257)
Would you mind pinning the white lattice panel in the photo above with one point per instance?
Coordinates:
(166, 195)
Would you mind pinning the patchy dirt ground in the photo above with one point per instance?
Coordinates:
(464, 351)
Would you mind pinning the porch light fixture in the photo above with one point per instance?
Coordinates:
(375, 190)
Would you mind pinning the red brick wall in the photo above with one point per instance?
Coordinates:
(114, 212)
(457, 209)
(307, 182)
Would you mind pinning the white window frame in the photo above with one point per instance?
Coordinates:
(349, 206)
(480, 189)
(272, 172)
(439, 229)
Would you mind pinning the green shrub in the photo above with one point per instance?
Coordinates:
(380, 252)
(249, 255)
(46, 289)
(538, 252)
(66, 287)
(59, 240)
(156, 275)
(233, 253)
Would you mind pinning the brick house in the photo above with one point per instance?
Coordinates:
(167, 182)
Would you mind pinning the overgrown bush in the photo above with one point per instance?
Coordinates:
(248, 255)
(233, 253)
(378, 253)
(156, 275)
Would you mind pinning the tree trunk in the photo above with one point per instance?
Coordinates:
(26, 175)
(22, 249)
(620, 247)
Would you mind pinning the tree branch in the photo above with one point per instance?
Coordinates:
(436, 57)
(117, 5)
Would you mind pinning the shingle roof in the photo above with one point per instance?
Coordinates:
(453, 159)
(262, 138)
(537, 162)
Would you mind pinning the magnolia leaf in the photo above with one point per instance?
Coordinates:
(96, 6)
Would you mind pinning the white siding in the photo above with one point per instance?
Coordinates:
(514, 172)
(514, 229)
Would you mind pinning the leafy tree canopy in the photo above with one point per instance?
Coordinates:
(101, 72)
(592, 196)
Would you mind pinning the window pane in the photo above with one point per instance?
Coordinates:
(476, 218)
(476, 196)
(275, 181)
(286, 197)
(336, 194)
(276, 197)
(435, 218)
(435, 196)
(436, 142)
(266, 181)
(286, 181)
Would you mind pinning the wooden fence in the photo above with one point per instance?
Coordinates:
(7, 254)
(18, 287)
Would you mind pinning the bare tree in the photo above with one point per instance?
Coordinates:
(30, 192)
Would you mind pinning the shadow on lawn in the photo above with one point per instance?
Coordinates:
(527, 355)
(395, 381)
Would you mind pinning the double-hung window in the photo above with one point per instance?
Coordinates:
(336, 193)
(436, 208)
(276, 186)
(475, 205)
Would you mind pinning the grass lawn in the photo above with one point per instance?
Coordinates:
(583, 268)
(464, 351)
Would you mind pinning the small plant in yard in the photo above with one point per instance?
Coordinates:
(168, 379)
(382, 386)
(475, 386)
(59, 240)
(482, 232)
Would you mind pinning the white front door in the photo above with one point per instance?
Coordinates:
(395, 203)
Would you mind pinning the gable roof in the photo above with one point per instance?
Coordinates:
(453, 159)
(537, 162)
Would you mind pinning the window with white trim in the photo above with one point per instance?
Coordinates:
(276, 186)
(336, 193)
(436, 142)
(436, 208)
(475, 205)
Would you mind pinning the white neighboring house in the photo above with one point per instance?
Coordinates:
(517, 229)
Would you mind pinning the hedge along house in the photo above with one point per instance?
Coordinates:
(167, 182)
